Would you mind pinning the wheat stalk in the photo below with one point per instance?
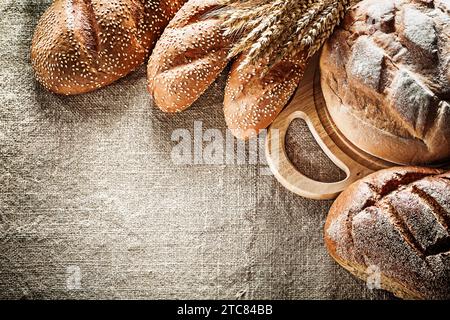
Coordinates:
(274, 29)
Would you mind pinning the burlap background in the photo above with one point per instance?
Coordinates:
(87, 182)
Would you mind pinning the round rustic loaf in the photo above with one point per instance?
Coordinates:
(385, 76)
(392, 228)
(82, 45)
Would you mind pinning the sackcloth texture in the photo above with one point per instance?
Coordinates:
(88, 189)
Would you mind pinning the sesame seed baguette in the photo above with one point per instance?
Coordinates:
(81, 45)
(254, 96)
(188, 57)
(393, 226)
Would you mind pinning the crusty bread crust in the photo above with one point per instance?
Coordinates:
(252, 101)
(386, 283)
(81, 45)
(193, 51)
(386, 81)
(188, 57)
(397, 220)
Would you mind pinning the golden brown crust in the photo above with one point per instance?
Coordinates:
(386, 283)
(397, 220)
(385, 79)
(188, 57)
(82, 45)
(253, 101)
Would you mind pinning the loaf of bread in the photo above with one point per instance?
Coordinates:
(82, 45)
(188, 57)
(254, 97)
(191, 54)
(385, 76)
(394, 225)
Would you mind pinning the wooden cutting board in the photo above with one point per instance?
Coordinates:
(308, 104)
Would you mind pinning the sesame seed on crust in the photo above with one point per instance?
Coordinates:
(82, 45)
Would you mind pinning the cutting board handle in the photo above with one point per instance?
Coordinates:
(303, 106)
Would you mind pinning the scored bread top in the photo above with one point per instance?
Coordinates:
(399, 221)
(386, 79)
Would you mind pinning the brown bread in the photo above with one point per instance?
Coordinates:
(252, 101)
(188, 57)
(396, 221)
(386, 79)
(82, 45)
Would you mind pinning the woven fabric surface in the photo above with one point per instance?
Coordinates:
(88, 189)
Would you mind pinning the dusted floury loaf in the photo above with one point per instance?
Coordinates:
(386, 79)
(279, 29)
(83, 45)
(397, 222)
(252, 102)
